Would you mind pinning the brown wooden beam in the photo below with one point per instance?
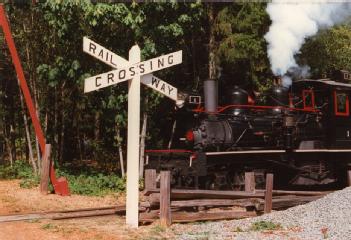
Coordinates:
(349, 177)
(45, 170)
(250, 184)
(150, 179)
(165, 198)
(250, 202)
(268, 193)
(198, 216)
(297, 193)
(195, 193)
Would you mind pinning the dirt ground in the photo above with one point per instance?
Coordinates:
(16, 200)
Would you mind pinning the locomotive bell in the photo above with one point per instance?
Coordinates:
(278, 96)
(238, 96)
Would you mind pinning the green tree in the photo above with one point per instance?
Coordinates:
(241, 46)
(334, 50)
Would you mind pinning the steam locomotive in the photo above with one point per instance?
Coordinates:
(300, 133)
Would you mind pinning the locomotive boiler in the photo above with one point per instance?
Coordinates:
(300, 133)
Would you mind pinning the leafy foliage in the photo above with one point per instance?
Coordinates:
(95, 184)
(333, 53)
(20, 170)
(242, 48)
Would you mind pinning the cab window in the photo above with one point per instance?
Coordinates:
(341, 103)
(308, 99)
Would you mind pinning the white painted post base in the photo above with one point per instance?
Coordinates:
(132, 205)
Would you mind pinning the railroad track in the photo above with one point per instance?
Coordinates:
(187, 206)
(65, 214)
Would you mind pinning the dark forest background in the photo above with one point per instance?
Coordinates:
(222, 40)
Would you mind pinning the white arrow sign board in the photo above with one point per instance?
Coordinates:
(160, 86)
(125, 73)
(110, 58)
(103, 54)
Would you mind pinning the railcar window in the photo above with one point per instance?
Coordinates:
(341, 104)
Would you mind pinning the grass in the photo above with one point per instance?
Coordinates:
(83, 182)
(265, 225)
(158, 229)
(48, 226)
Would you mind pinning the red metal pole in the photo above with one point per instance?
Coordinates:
(23, 84)
(61, 184)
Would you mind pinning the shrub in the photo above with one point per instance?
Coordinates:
(94, 184)
(84, 182)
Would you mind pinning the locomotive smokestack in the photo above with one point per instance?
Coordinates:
(211, 95)
(277, 81)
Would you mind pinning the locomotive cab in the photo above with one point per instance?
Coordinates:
(331, 99)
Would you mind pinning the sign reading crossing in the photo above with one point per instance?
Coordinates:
(136, 72)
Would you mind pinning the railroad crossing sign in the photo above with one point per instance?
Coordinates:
(135, 72)
(126, 71)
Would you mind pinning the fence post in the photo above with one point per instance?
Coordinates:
(250, 184)
(268, 193)
(349, 177)
(165, 199)
(45, 170)
(150, 179)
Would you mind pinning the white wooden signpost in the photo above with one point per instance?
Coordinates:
(135, 72)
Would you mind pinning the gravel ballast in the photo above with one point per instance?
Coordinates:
(325, 218)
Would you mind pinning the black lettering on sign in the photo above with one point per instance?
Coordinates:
(92, 47)
(122, 74)
(170, 59)
(163, 87)
(170, 89)
(106, 57)
(142, 68)
(151, 65)
(114, 64)
(161, 62)
(101, 54)
(132, 70)
(96, 82)
(110, 78)
(155, 81)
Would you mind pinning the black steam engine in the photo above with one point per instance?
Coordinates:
(300, 133)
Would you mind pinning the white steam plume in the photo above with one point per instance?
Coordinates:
(292, 23)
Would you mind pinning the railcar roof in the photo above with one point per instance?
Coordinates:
(326, 81)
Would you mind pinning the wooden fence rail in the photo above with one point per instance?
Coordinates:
(174, 203)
